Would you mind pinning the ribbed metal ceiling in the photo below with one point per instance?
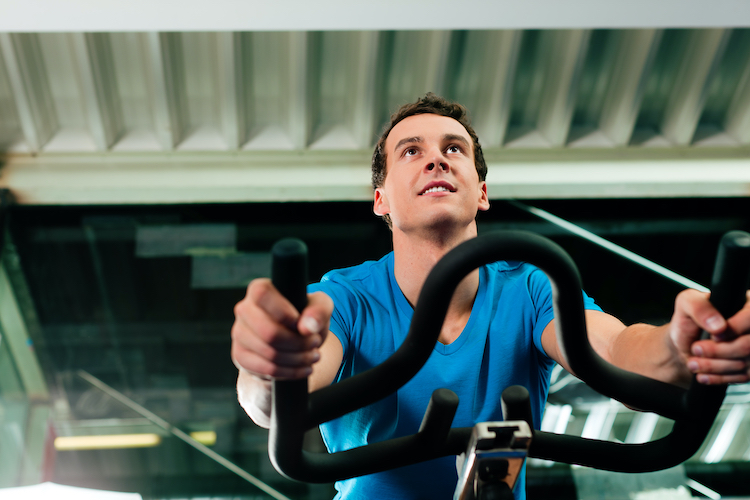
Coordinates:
(225, 97)
(332, 90)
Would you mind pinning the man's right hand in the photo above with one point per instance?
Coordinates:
(271, 339)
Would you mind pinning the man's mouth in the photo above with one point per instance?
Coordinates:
(437, 187)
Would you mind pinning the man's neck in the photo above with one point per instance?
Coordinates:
(414, 258)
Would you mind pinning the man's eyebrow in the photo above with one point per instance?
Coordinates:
(407, 140)
(457, 138)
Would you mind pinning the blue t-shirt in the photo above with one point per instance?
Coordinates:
(500, 346)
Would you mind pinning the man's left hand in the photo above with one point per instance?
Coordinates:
(725, 357)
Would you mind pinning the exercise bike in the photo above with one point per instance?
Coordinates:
(494, 451)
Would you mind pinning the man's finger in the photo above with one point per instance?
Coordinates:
(256, 324)
(722, 379)
(739, 324)
(739, 348)
(262, 292)
(316, 316)
(717, 366)
(263, 368)
(692, 313)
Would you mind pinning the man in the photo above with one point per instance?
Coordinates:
(428, 175)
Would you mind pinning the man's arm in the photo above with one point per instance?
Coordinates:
(672, 352)
(272, 340)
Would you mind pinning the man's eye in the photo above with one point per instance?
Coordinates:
(453, 149)
(410, 152)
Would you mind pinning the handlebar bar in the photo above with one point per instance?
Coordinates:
(295, 411)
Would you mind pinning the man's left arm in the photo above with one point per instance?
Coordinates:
(674, 351)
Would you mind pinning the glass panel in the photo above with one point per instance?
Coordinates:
(142, 299)
(13, 412)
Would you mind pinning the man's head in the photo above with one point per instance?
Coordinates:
(429, 104)
(426, 174)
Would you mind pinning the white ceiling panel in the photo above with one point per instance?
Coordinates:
(343, 15)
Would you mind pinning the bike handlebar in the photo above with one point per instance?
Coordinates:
(295, 411)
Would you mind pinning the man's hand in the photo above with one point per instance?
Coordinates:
(725, 357)
(271, 339)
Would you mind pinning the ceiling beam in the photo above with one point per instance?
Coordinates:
(299, 114)
(635, 54)
(28, 80)
(491, 56)
(112, 178)
(267, 67)
(364, 119)
(564, 58)
(737, 119)
(417, 66)
(337, 75)
(231, 93)
(93, 56)
(700, 61)
(283, 15)
(167, 87)
(435, 46)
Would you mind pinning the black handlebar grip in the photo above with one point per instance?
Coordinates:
(731, 273)
(517, 405)
(728, 295)
(438, 418)
(289, 270)
(289, 276)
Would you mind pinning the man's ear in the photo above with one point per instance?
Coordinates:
(484, 200)
(380, 205)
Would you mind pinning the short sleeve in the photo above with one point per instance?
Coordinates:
(540, 292)
(341, 319)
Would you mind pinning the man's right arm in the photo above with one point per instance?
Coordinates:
(272, 340)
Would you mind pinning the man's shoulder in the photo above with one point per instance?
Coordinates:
(367, 274)
(509, 268)
(359, 287)
(504, 274)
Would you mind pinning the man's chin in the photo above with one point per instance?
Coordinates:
(446, 221)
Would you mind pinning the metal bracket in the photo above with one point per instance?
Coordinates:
(495, 456)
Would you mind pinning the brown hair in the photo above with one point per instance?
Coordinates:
(429, 104)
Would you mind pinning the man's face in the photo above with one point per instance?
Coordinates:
(431, 178)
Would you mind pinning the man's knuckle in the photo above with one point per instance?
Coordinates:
(688, 295)
(267, 332)
(234, 353)
(272, 355)
(257, 289)
(276, 371)
(238, 332)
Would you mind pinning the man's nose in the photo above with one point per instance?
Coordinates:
(438, 160)
(443, 166)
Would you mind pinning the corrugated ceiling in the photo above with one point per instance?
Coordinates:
(94, 106)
